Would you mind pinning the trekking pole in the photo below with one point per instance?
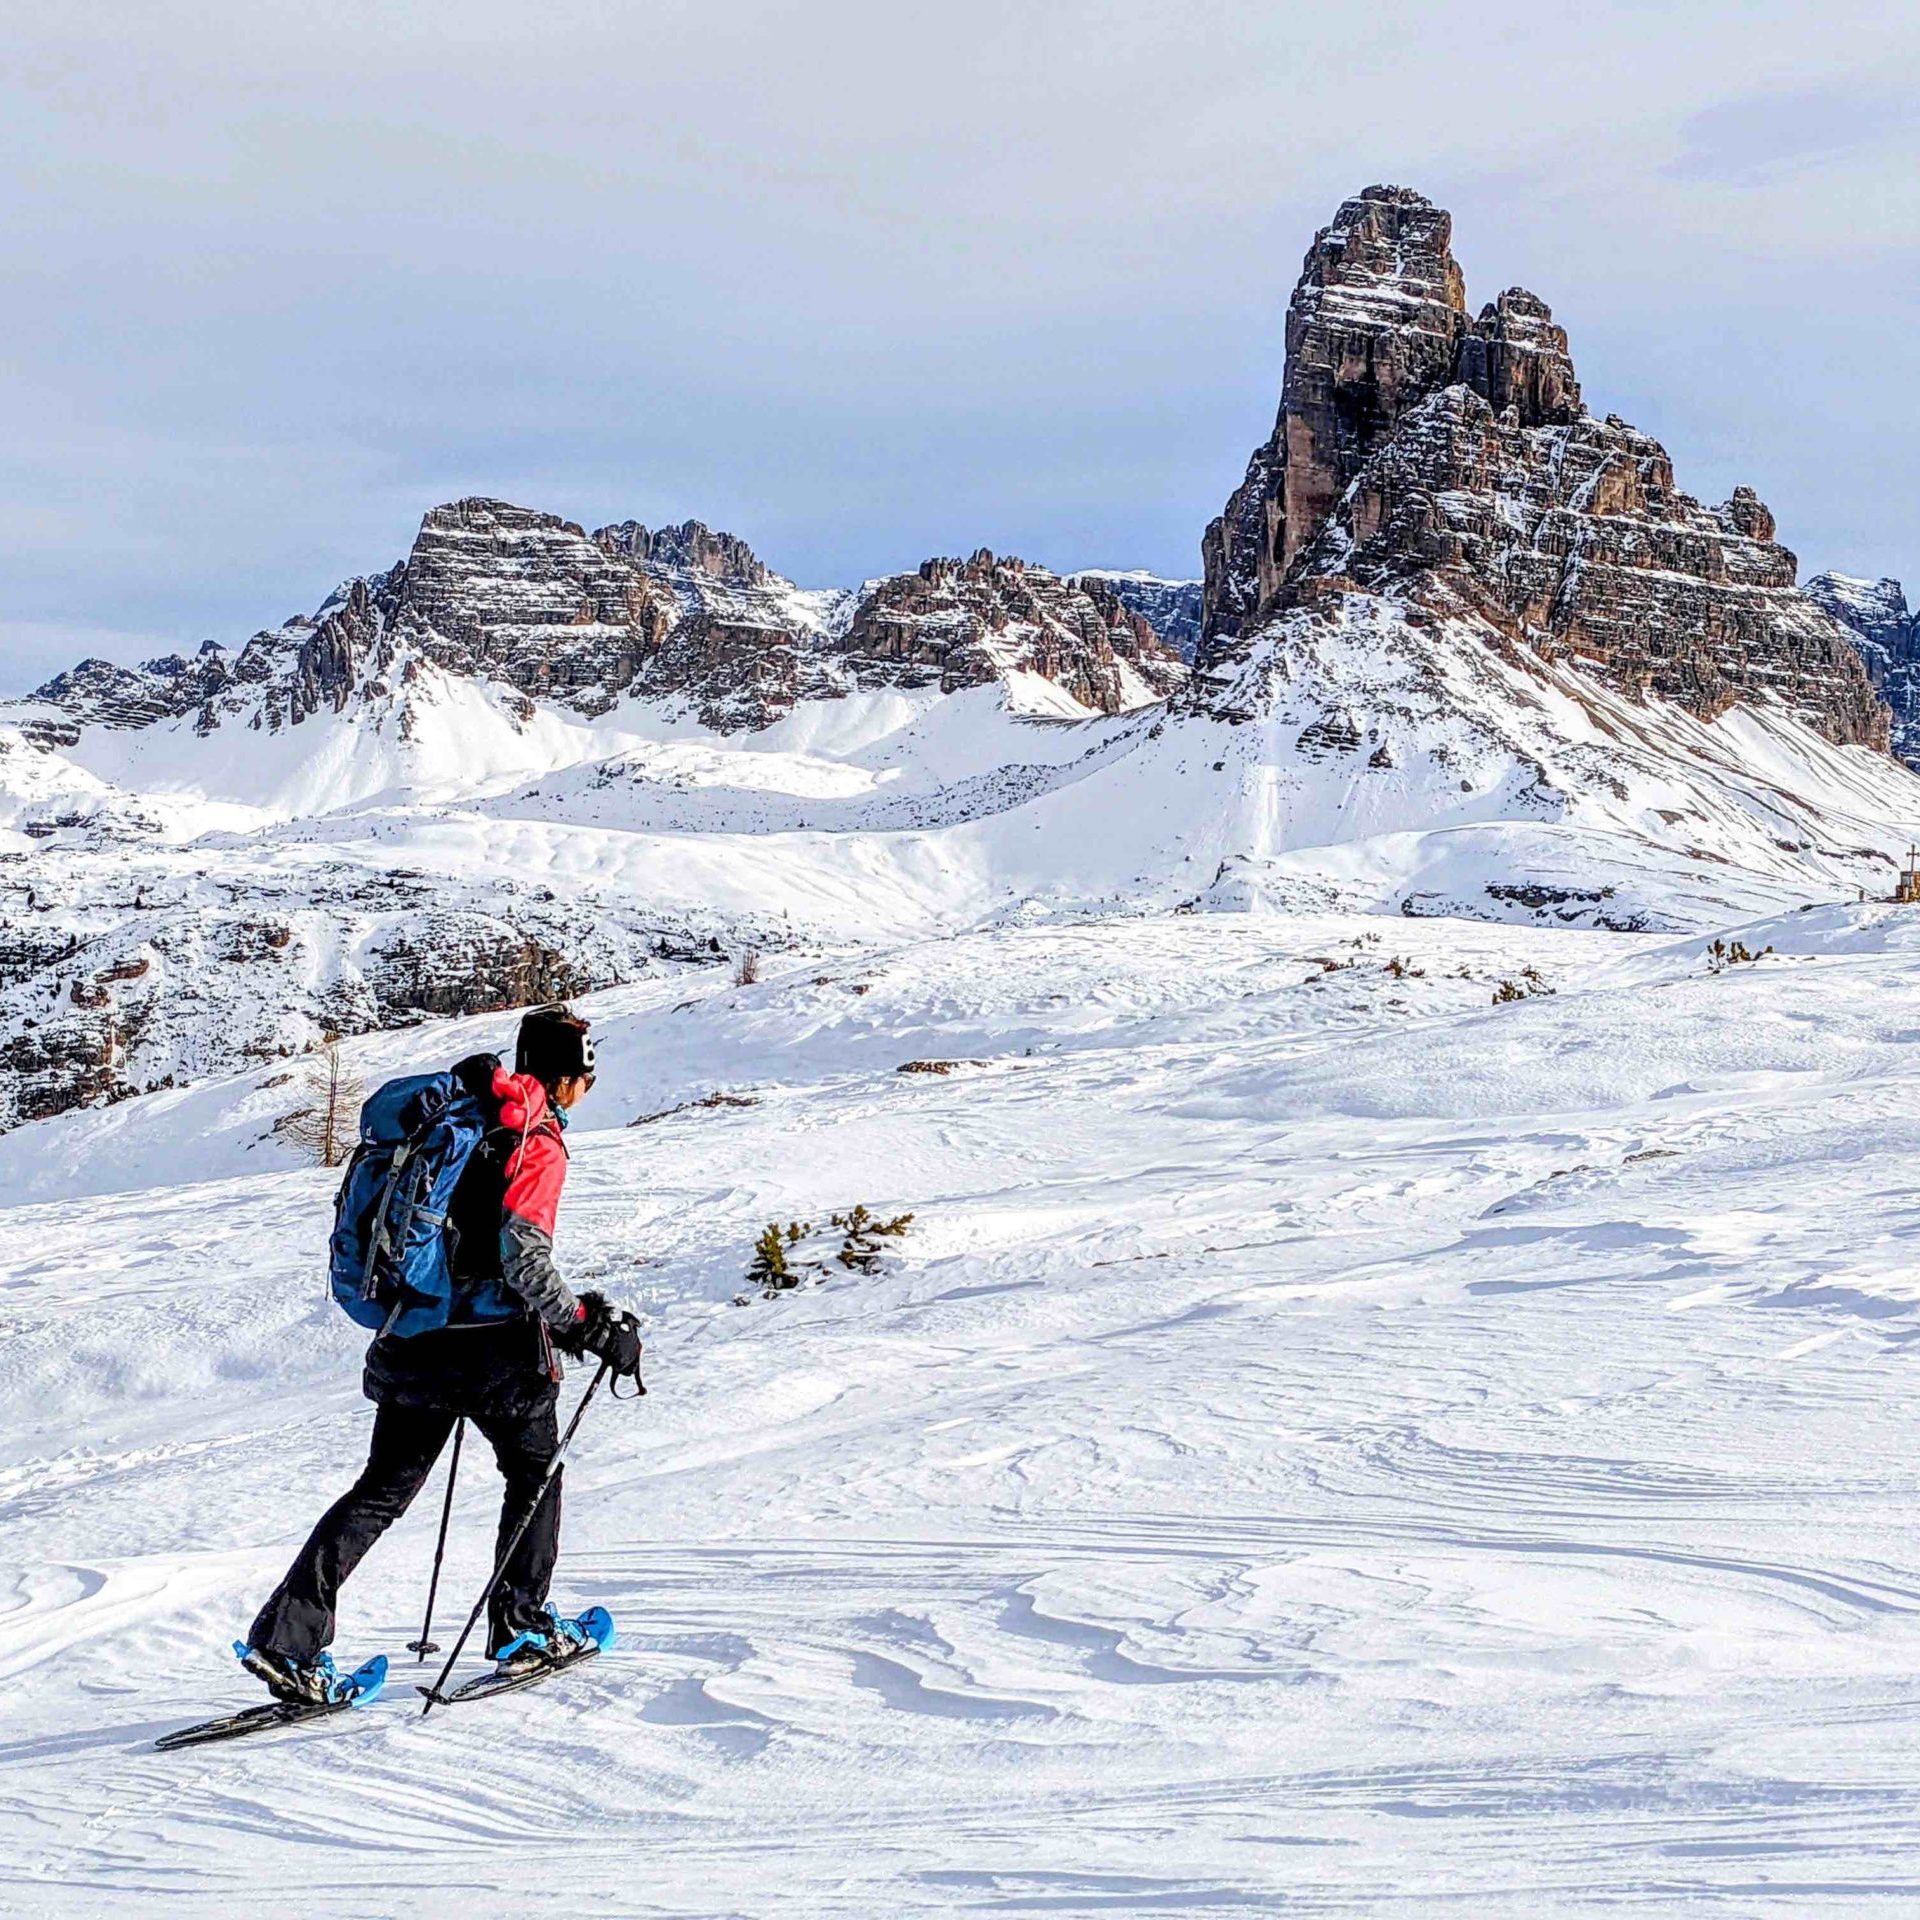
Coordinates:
(433, 1693)
(425, 1644)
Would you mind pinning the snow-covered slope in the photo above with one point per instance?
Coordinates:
(1332, 1445)
(175, 903)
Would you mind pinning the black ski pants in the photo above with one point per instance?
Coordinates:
(299, 1620)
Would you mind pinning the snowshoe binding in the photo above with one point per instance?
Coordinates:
(301, 1692)
(315, 1683)
(560, 1640)
(536, 1655)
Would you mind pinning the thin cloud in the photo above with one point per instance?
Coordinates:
(1758, 141)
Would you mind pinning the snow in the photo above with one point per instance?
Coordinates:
(1333, 1440)
(1369, 764)
(1330, 1443)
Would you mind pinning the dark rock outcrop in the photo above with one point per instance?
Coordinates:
(1170, 607)
(127, 976)
(1514, 356)
(721, 556)
(1887, 633)
(1373, 327)
(1449, 464)
(963, 623)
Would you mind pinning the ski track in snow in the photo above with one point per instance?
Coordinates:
(1330, 1445)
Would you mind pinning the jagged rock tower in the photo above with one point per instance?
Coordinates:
(1887, 633)
(1447, 463)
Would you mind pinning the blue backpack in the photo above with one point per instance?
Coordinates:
(389, 1266)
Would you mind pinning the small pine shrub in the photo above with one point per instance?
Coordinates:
(1530, 983)
(783, 1259)
(770, 1270)
(1722, 955)
(861, 1249)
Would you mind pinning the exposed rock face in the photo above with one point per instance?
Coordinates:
(1514, 356)
(1887, 634)
(460, 963)
(123, 971)
(531, 601)
(1373, 327)
(1584, 548)
(1170, 607)
(1449, 464)
(527, 598)
(502, 592)
(98, 693)
(962, 623)
(721, 556)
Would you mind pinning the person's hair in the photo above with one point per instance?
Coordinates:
(553, 1045)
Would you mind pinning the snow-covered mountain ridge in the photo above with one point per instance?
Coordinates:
(585, 622)
(1887, 633)
(1461, 649)
(1450, 464)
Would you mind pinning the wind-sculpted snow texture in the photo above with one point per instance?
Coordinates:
(1331, 1445)
(1450, 464)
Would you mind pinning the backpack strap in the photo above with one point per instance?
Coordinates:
(379, 1239)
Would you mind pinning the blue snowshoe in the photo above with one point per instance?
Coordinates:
(561, 1641)
(301, 1692)
(529, 1658)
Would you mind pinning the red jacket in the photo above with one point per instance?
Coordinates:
(536, 1172)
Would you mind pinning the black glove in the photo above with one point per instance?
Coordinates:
(612, 1334)
(570, 1339)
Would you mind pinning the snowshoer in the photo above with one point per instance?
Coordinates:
(493, 1364)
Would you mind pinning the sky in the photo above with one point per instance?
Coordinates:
(865, 283)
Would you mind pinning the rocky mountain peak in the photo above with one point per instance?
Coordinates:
(1450, 465)
(509, 595)
(1170, 607)
(1374, 325)
(1513, 356)
(1887, 633)
(1876, 609)
(691, 545)
(1387, 245)
(958, 623)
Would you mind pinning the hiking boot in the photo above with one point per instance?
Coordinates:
(312, 1683)
(556, 1639)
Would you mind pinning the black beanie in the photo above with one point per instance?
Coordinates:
(553, 1044)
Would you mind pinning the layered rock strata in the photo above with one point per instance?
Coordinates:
(533, 602)
(1449, 462)
(1887, 633)
(961, 623)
